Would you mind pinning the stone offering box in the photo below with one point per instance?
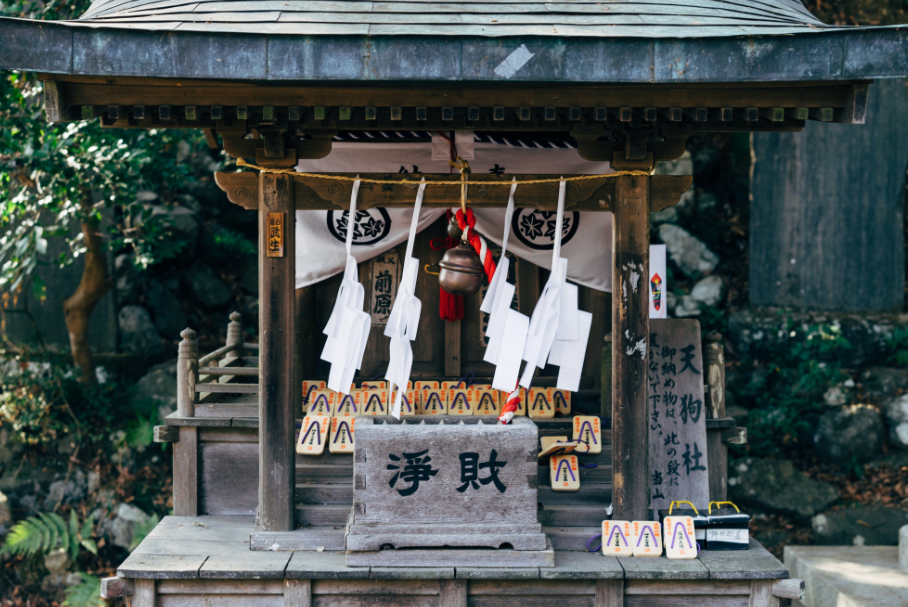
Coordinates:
(446, 490)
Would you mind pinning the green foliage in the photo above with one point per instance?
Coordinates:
(898, 346)
(86, 593)
(48, 531)
(142, 530)
(791, 386)
(228, 245)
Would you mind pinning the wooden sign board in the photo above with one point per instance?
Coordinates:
(385, 272)
(676, 414)
(275, 235)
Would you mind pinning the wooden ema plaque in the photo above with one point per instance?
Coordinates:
(432, 399)
(565, 473)
(349, 405)
(322, 403)
(617, 538)
(647, 538)
(677, 414)
(451, 484)
(541, 402)
(310, 386)
(680, 537)
(313, 435)
(409, 404)
(556, 445)
(374, 402)
(461, 401)
(562, 400)
(588, 434)
(342, 437)
(488, 401)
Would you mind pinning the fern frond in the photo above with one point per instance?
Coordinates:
(61, 525)
(54, 532)
(27, 537)
(86, 593)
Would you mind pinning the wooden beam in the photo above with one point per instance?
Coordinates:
(609, 593)
(316, 194)
(630, 333)
(113, 587)
(144, 593)
(855, 110)
(186, 473)
(280, 390)
(166, 434)
(96, 90)
(453, 348)
(297, 593)
(452, 593)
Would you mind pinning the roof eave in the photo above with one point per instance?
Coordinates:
(62, 48)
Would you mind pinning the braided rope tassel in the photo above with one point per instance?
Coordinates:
(476, 241)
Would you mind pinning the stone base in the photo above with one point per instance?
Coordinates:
(370, 537)
(453, 557)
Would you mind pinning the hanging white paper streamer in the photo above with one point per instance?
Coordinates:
(506, 326)
(558, 330)
(348, 326)
(404, 318)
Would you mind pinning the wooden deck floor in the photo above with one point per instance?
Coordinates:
(217, 547)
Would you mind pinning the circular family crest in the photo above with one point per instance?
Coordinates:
(536, 229)
(371, 226)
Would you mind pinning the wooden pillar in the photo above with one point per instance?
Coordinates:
(716, 450)
(280, 391)
(187, 373)
(235, 334)
(630, 335)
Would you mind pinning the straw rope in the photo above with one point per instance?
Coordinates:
(460, 182)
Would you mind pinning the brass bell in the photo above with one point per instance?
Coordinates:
(454, 230)
(461, 270)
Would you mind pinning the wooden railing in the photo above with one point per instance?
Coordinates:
(200, 379)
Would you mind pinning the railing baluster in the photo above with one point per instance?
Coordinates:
(187, 374)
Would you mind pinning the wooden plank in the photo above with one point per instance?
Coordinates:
(492, 587)
(571, 538)
(113, 587)
(265, 565)
(649, 568)
(325, 494)
(630, 330)
(186, 473)
(685, 587)
(313, 538)
(144, 595)
(208, 586)
(496, 573)
(175, 420)
(159, 567)
(238, 371)
(591, 494)
(365, 541)
(324, 566)
(317, 515)
(229, 435)
(529, 601)
(298, 593)
(600, 304)
(412, 573)
(599, 474)
(221, 600)
(572, 515)
(687, 601)
(228, 388)
(583, 566)
(453, 348)
(761, 594)
(425, 586)
(610, 593)
(343, 600)
(228, 483)
(678, 459)
(756, 563)
(227, 410)
(280, 394)
(452, 593)
(788, 589)
(452, 558)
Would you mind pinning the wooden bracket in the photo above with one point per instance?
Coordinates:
(166, 434)
(621, 163)
(855, 110)
(114, 587)
(734, 436)
(792, 588)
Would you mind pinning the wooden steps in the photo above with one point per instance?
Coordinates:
(572, 539)
(320, 515)
(572, 515)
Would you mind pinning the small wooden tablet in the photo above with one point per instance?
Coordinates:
(617, 538)
(341, 440)
(588, 433)
(313, 435)
(565, 473)
(540, 402)
(647, 538)
(680, 538)
(322, 403)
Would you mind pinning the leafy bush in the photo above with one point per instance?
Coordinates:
(48, 531)
(898, 345)
(86, 593)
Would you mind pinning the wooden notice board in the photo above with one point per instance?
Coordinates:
(677, 414)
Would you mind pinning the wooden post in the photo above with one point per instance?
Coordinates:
(187, 373)
(144, 593)
(630, 335)
(605, 407)
(610, 593)
(452, 593)
(186, 472)
(279, 394)
(235, 334)
(716, 450)
(297, 593)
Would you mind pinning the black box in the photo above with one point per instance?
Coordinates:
(727, 528)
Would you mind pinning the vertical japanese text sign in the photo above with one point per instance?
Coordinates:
(676, 414)
(275, 235)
